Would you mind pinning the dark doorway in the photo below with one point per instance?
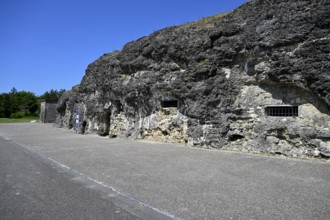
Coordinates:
(106, 120)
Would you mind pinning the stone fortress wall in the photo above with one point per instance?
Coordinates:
(256, 80)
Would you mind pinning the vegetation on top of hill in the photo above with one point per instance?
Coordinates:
(207, 22)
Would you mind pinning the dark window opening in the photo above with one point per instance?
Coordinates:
(118, 106)
(235, 137)
(169, 104)
(282, 111)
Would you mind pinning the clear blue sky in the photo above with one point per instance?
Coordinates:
(47, 44)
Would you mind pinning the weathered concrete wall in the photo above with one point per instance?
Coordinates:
(252, 130)
(162, 123)
(48, 112)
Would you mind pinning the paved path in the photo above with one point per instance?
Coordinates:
(32, 189)
(187, 183)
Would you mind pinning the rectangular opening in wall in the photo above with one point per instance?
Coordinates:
(118, 106)
(169, 104)
(281, 111)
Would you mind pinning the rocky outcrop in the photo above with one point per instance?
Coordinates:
(66, 108)
(256, 79)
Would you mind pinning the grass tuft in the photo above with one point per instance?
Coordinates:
(207, 22)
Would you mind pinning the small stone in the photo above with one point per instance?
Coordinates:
(325, 154)
(273, 139)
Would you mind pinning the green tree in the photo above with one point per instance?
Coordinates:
(18, 104)
(23, 103)
(14, 102)
(52, 95)
(4, 105)
(28, 102)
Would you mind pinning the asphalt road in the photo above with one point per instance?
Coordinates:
(33, 187)
(170, 180)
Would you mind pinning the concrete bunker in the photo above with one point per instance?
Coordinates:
(48, 111)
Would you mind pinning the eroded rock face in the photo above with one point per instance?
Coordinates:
(66, 108)
(208, 84)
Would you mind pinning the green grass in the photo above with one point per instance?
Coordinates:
(207, 22)
(19, 120)
(211, 19)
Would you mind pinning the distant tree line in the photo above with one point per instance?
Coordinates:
(18, 104)
(52, 95)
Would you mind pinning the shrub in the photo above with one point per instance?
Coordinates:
(17, 115)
